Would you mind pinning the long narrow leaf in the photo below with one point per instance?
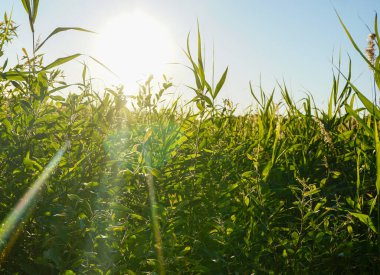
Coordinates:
(332, 97)
(201, 71)
(254, 96)
(61, 29)
(14, 75)
(4, 36)
(104, 66)
(26, 4)
(370, 106)
(220, 83)
(377, 147)
(35, 10)
(27, 7)
(61, 61)
(377, 31)
(195, 67)
(376, 73)
(354, 44)
(362, 123)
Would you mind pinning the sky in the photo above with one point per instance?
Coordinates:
(262, 42)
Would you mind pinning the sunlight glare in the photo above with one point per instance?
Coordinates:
(135, 45)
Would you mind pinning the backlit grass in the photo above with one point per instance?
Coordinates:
(148, 187)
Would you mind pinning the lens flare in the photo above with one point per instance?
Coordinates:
(12, 225)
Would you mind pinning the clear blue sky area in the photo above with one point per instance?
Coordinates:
(292, 41)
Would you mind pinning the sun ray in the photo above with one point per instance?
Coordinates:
(12, 225)
(135, 45)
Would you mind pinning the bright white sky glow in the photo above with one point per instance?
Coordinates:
(134, 45)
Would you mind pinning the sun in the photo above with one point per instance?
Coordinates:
(134, 45)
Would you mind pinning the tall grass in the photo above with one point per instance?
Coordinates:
(147, 188)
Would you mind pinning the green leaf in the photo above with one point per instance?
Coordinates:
(362, 123)
(4, 36)
(60, 88)
(137, 217)
(76, 164)
(372, 108)
(57, 97)
(231, 187)
(148, 133)
(312, 192)
(377, 72)
(365, 219)
(84, 71)
(26, 4)
(267, 169)
(206, 98)
(104, 66)
(74, 197)
(28, 9)
(201, 71)
(186, 249)
(61, 61)
(117, 228)
(354, 44)
(119, 207)
(372, 202)
(246, 201)
(35, 10)
(30, 164)
(376, 30)
(61, 29)
(220, 83)
(377, 149)
(14, 75)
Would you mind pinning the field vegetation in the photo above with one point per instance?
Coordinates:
(141, 185)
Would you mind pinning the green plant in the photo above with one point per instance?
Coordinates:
(149, 186)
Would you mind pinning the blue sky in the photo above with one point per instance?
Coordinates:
(268, 41)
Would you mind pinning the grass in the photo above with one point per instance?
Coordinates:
(147, 187)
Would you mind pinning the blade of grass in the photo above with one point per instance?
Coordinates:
(354, 44)
(35, 10)
(376, 31)
(61, 61)
(377, 148)
(61, 29)
(220, 84)
(28, 9)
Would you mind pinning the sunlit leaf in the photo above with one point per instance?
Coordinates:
(60, 29)
(220, 83)
(61, 61)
